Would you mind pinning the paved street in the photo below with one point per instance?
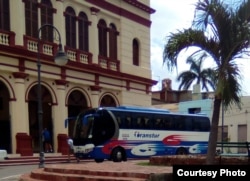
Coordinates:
(12, 173)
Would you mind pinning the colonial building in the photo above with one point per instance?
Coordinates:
(108, 47)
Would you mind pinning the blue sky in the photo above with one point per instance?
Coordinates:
(170, 16)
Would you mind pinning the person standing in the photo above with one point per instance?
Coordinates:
(47, 141)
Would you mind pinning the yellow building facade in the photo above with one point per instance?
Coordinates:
(108, 48)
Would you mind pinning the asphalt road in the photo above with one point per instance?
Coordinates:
(12, 173)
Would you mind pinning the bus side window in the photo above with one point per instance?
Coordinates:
(189, 123)
(178, 123)
(196, 127)
(159, 124)
(168, 125)
(141, 123)
(119, 121)
(128, 122)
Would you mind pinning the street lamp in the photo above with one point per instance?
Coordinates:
(60, 59)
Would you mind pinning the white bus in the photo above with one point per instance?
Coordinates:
(118, 133)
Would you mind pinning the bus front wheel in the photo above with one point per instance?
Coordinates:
(181, 151)
(117, 155)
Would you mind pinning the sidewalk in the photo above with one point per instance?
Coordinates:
(138, 170)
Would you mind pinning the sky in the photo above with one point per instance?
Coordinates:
(171, 16)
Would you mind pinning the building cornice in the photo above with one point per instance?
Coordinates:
(123, 12)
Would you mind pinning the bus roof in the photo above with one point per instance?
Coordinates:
(149, 110)
(137, 108)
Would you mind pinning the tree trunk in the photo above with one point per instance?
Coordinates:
(212, 142)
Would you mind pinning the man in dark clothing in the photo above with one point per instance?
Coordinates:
(47, 140)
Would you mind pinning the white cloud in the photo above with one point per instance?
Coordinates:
(170, 16)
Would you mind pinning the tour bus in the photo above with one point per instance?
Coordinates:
(118, 133)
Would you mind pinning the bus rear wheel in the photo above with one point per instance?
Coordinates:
(181, 151)
(117, 155)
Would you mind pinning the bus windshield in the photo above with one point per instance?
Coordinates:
(96, 126)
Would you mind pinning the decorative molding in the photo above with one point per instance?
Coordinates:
(95, 88)
(94, 10)
(61, 82)
(20, 75)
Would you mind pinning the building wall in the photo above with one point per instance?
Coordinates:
(234, 119)
(205, 106)
(124, 82)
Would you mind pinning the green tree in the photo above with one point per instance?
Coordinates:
(222, 31)
(205, 76)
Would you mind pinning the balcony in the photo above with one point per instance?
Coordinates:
(74, 55)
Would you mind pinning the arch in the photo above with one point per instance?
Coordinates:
(47, 18)
(47, 120)
(50, 89)
(112, 42)
(108, 99)
(83, 91)
(70, 27)
(9, 87)
(83, 32)
(136, 49)
(5, 122)
(102, 37)
(77, 101)
(31, 18)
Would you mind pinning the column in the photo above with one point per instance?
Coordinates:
(95, 95)
(17, 25)
(19, 109)
(59, 20)
(93, 34)
(59, 113)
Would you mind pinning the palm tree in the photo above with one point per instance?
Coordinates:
(202, 76)
(223, 33)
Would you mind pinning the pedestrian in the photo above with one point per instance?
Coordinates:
(71, 148)
(47, 141)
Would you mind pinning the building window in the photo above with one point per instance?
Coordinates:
(70, 22)
(113, 42)
(102, 35)
(47, 18)
(31, 17)
(83, 32)
(135, 52)
(4, 15)
(195, 110)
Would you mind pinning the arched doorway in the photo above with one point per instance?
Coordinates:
(5, 131)
(33, 114)
(108, 100)
(77, 103)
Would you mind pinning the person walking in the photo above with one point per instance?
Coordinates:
(47, 141)
(71, 148)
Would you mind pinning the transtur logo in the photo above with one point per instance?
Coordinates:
(137, 134)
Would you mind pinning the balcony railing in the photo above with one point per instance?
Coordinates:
(107, 63)
(78, 56)
(46, 48)
(74, 55)
(7, 38)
